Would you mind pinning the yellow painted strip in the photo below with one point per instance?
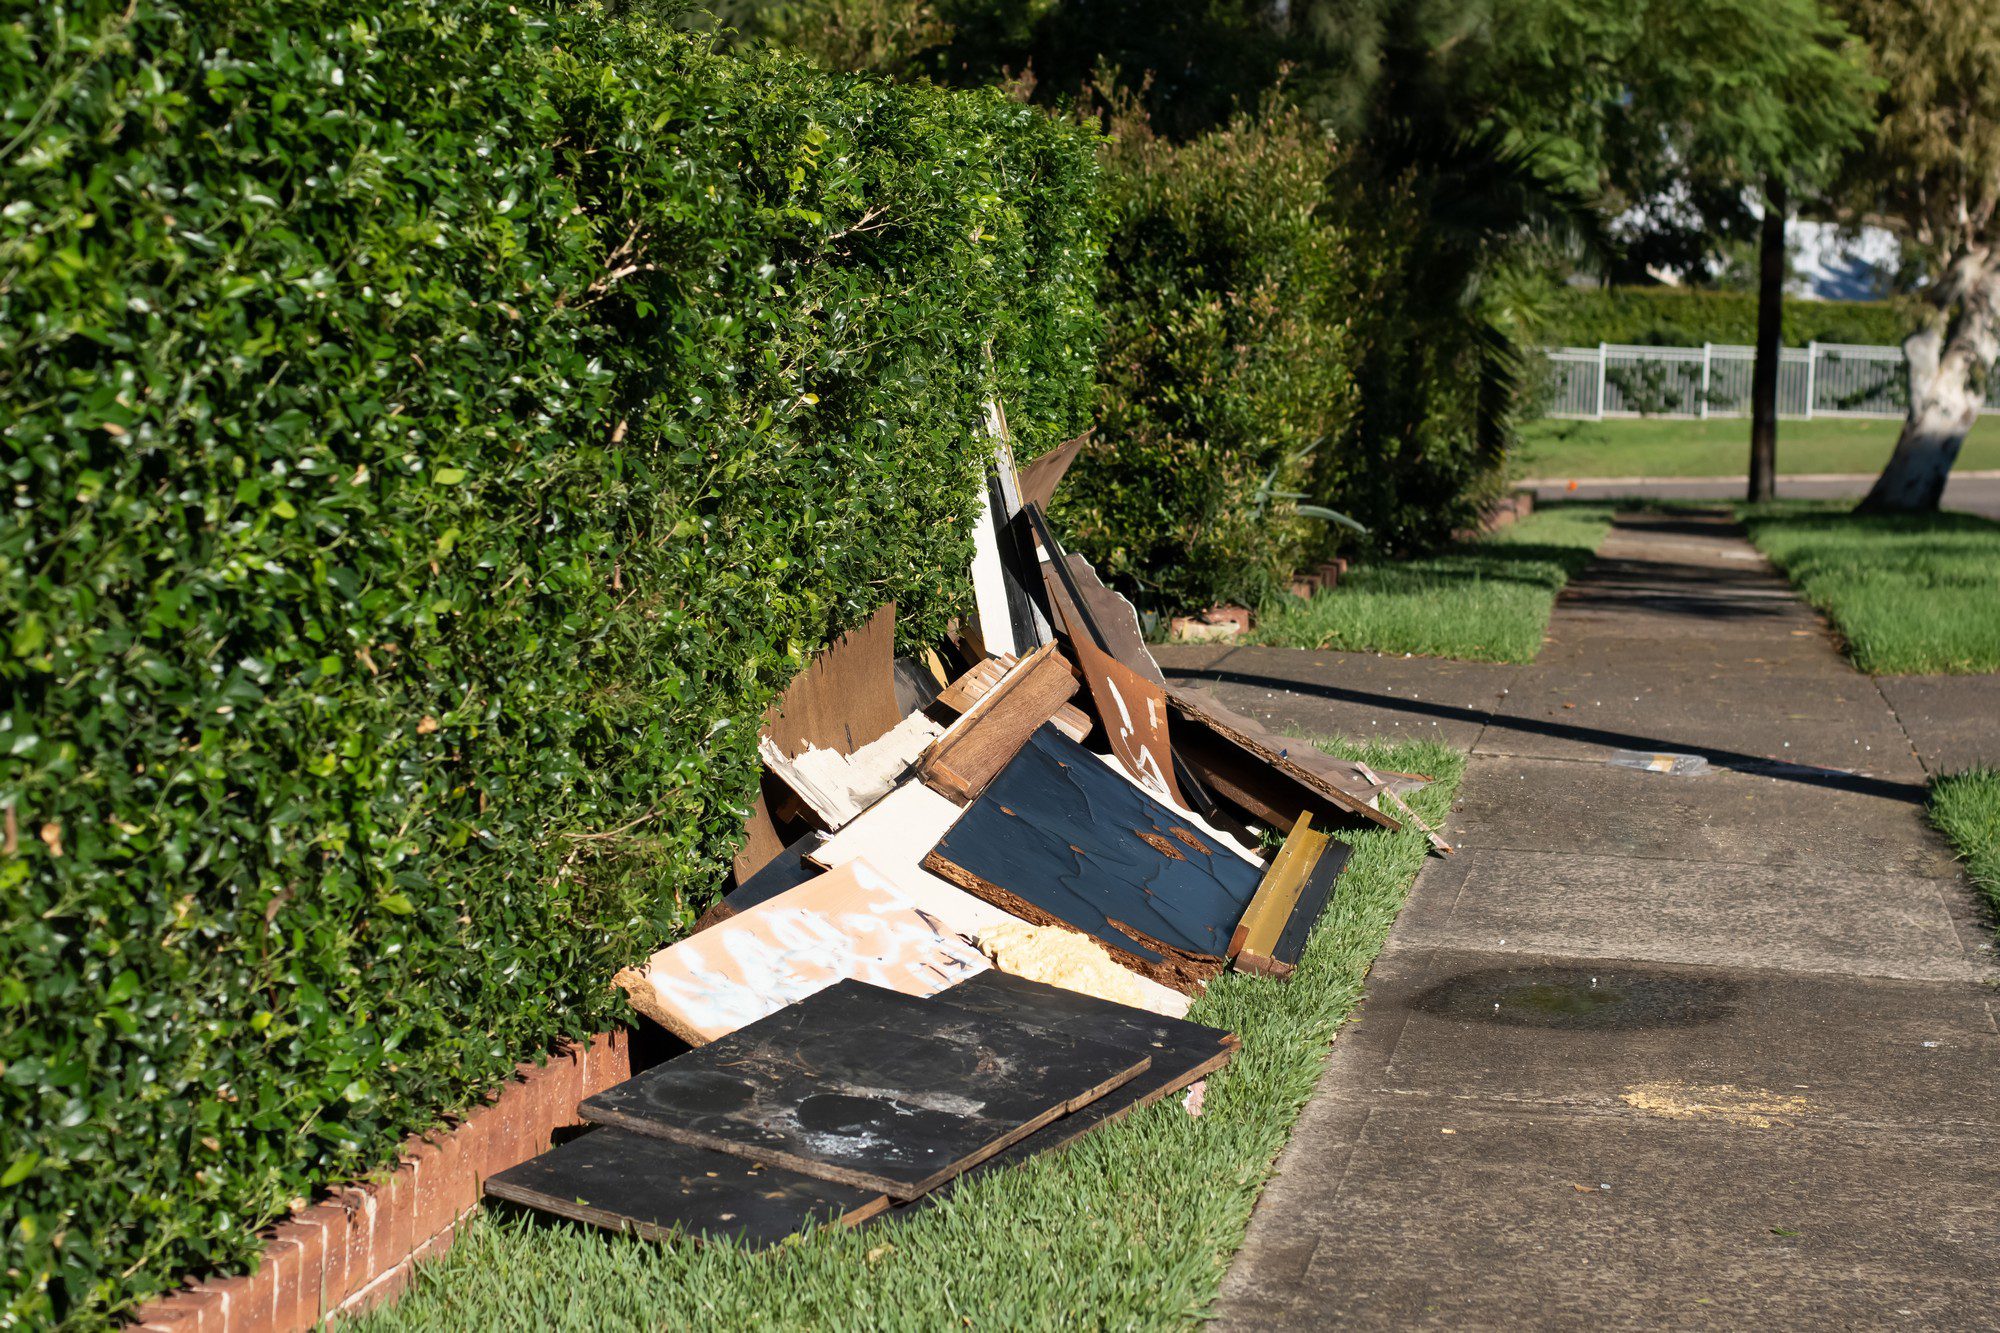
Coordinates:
(1264, 920)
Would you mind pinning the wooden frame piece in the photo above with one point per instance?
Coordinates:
(960, 695)
(1318, 892)
(1270, 777)
(1257, 933)
(986, 737)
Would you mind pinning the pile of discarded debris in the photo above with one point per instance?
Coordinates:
(978, 893)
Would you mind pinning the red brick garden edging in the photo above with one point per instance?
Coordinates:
(356, 1247)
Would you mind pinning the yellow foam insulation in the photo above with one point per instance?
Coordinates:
(1058, 957)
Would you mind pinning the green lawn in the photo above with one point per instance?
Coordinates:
(1653, 447)
(1132, 1226)
(1914, 596)
(1966, 808)
(1486, 601)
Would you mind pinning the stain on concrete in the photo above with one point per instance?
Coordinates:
(1615, 997)
(1752, 1108)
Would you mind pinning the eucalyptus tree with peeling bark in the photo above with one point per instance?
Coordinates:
(1932, 172)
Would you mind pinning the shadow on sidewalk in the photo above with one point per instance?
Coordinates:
(1760, 766)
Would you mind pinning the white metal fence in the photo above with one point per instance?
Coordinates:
(1818, 380)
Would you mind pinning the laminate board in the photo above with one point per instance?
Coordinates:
(1271, 777)
(849, 922)
(661, 1190)
(870, 1088)
(846, 697)
(1060, 839)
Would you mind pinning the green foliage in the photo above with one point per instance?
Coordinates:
(435, 429)
(1689, 317)
(1228, 303)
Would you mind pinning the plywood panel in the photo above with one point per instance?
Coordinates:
(849, 922)
(870, 1088)
(650, 1187)
(846, 697)
(1059, 839)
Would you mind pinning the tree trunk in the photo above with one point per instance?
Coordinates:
(1770, 341)
(1948, 366)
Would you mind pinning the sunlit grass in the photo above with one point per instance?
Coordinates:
(1486, 601)
(1132, 1226)
(1912, 595)
(1966, 809)
(1660, 447)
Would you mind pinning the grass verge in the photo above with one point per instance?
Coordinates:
(1965, 807)
(1485, 601)
(1911, 594)
(1132, 1226)
(1664, 448)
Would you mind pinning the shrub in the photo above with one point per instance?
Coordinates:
(1228, 300)
(1684, 317)
(435, 432)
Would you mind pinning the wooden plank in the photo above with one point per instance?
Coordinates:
(659, 1190)
(962, 693)
(1318, 892)
(1061, 839)
(976, 747)
(846, 697)
(1040, 478)
(1268, 912)
(787, 870)
(870, 1088)
(848, 922)
(1182, 1052)
(1272, 777)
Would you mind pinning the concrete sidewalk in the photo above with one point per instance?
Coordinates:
(1652, 1049)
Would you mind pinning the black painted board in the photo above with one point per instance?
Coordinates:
(789, 870)
(1313, 898)
(1182, 1052)
(658, 1189)
(1075, 842)
(870, 1088)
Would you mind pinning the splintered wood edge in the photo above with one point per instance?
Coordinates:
(900, 1190)
(640, 994)
(591, 1215)
(1258, 963)
(1192, 709)
(1178, 970)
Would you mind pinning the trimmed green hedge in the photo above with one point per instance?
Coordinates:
(1683, 317)
(434, 432)
(1227, 359)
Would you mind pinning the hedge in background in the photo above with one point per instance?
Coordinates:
(434, 431)
(1683, 317)
(1227, 360)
